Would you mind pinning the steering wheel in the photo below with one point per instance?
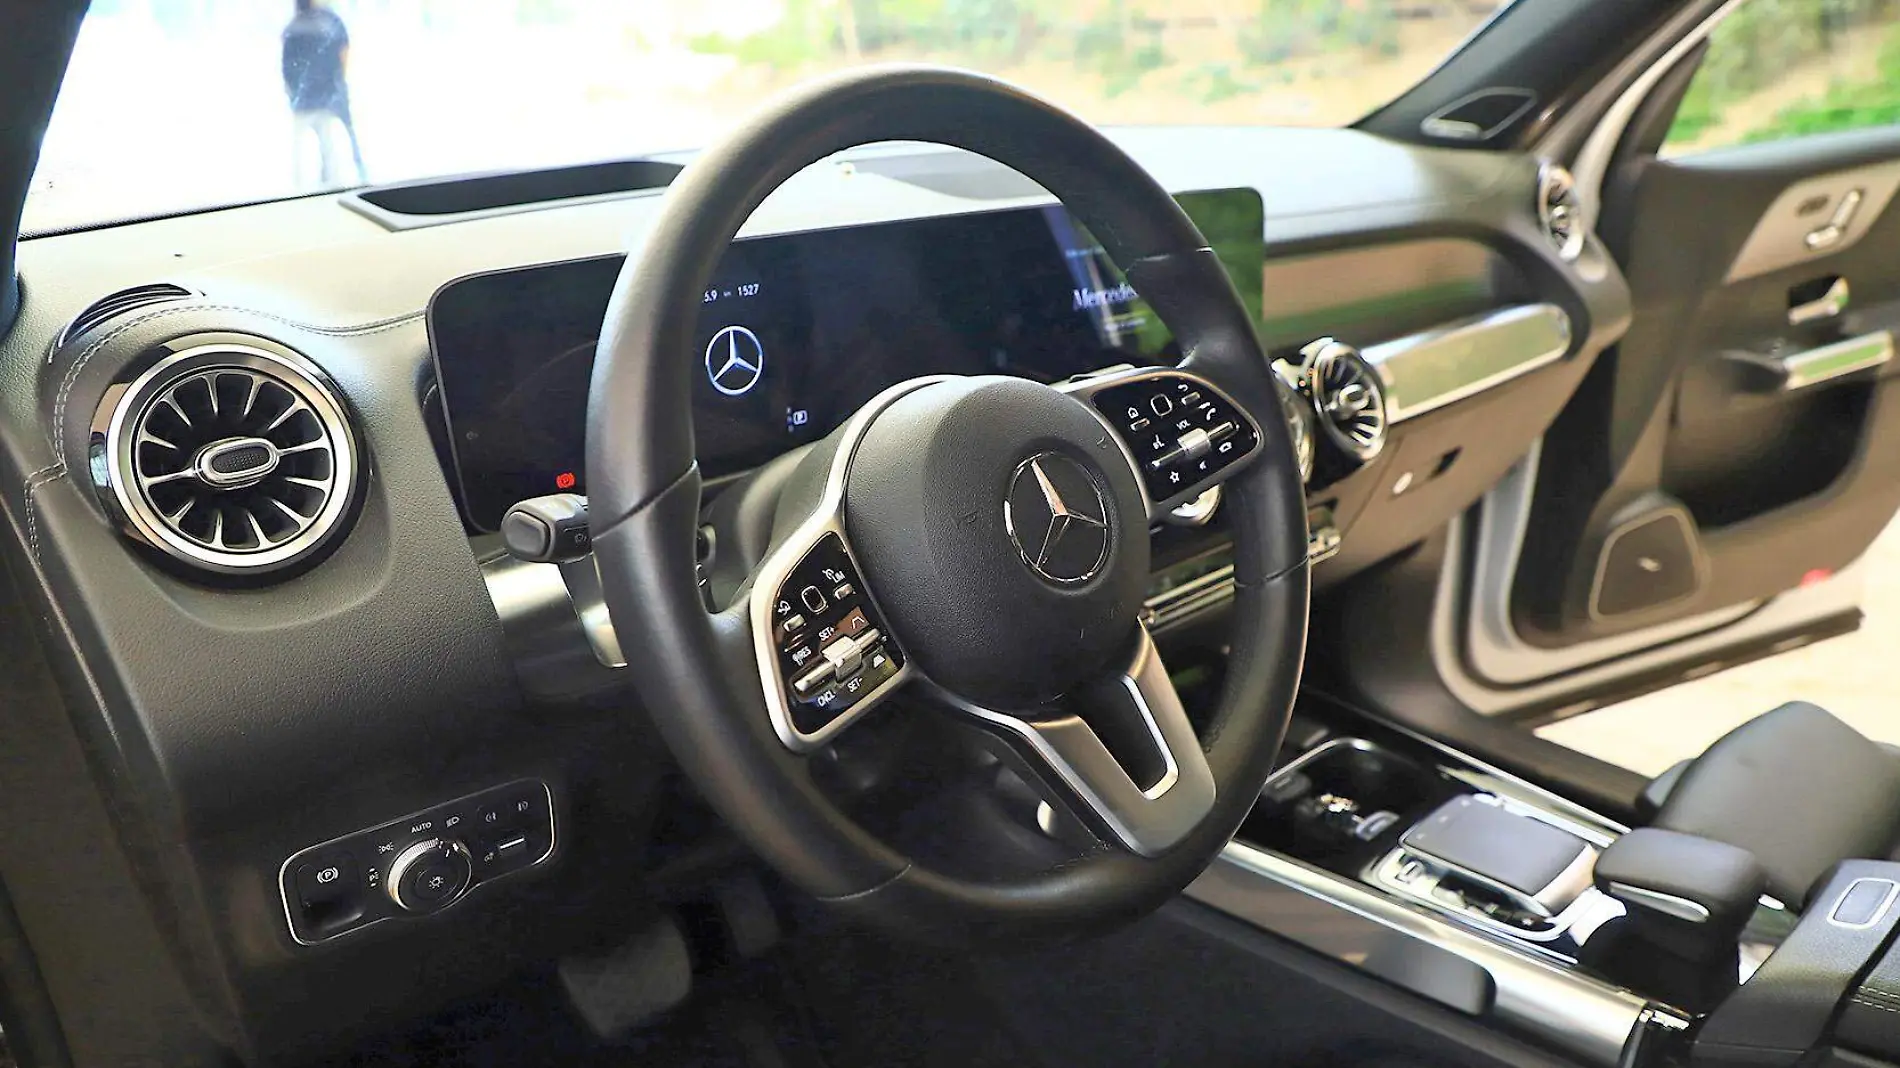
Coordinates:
(978, 541)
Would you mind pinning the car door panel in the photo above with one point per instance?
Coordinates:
(1703, 418)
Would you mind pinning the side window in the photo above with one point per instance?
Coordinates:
(1777, 69)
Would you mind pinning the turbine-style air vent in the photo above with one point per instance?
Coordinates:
(123, 302)
(232, 459)
(1348, 397)
(1560, 210)
(1299, 416)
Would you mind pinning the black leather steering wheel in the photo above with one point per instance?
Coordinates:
(982, 541)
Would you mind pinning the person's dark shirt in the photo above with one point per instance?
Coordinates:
(313, 61)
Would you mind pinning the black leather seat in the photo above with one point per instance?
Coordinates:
(1796, 787)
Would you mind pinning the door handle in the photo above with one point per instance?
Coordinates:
(1831, 302)
(1785, 372)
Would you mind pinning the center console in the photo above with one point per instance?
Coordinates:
(1495, 898)
(1454, 880)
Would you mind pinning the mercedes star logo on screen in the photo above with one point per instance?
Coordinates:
(734, 361)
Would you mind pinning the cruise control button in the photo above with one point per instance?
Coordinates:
(843, 592)
(845, 655)
(1195, 444)
(792, 625)
(819, 675)
(854, 624)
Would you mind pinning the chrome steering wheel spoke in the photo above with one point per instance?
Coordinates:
(825, 654)
(1180, 433)
(1122, 753)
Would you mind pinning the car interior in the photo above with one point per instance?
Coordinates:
(927, 580)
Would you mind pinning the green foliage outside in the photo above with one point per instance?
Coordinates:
(1763, 39)
(1118, 42)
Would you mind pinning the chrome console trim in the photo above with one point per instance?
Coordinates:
(1428, 370)
(1481, 969)
(1435, 958)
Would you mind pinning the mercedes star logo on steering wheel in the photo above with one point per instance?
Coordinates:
(1058, 518)
(735, 361)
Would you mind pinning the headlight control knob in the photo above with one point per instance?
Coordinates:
(430, 875)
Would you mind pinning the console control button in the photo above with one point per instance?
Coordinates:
(430, 874)
(326, 879)
(1196, 435)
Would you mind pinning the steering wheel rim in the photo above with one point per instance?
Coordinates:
(698, 674)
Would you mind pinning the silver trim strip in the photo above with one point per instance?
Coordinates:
(1462, 969)
(1829, 362)
(1426, 371)
(1148, 821)
(1668, 904)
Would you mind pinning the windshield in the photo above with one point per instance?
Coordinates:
(176, 104)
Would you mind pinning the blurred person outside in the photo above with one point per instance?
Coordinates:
(315, 58)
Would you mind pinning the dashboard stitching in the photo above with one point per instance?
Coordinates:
(33, 482)
(371, 327)
(72, 374)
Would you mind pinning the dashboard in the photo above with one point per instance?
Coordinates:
(383, 667)
(798, 331)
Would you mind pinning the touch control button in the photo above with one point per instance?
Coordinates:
(430, 874)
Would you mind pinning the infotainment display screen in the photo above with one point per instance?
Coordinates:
(796, 331)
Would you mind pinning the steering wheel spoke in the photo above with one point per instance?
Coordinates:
(1182, 434)
(1122, 753)
(826, 656)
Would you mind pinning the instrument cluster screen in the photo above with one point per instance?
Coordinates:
(797, 331)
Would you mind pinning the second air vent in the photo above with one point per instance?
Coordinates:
(124, 302)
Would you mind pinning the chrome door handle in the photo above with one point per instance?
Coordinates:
(1826, 306)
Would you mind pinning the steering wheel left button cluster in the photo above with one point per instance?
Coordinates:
(833, 650)
(419, 864)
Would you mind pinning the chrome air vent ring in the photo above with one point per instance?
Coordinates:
(1348, 399)
(1560, 210)
(228, 458)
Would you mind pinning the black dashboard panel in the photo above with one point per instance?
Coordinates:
(797, 331)
(183, 741)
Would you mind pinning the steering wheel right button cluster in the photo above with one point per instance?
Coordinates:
(833, 650)
(1184, 434)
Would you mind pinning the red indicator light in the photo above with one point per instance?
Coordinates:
(565, 480)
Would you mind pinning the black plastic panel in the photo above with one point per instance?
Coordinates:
(341, 886)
